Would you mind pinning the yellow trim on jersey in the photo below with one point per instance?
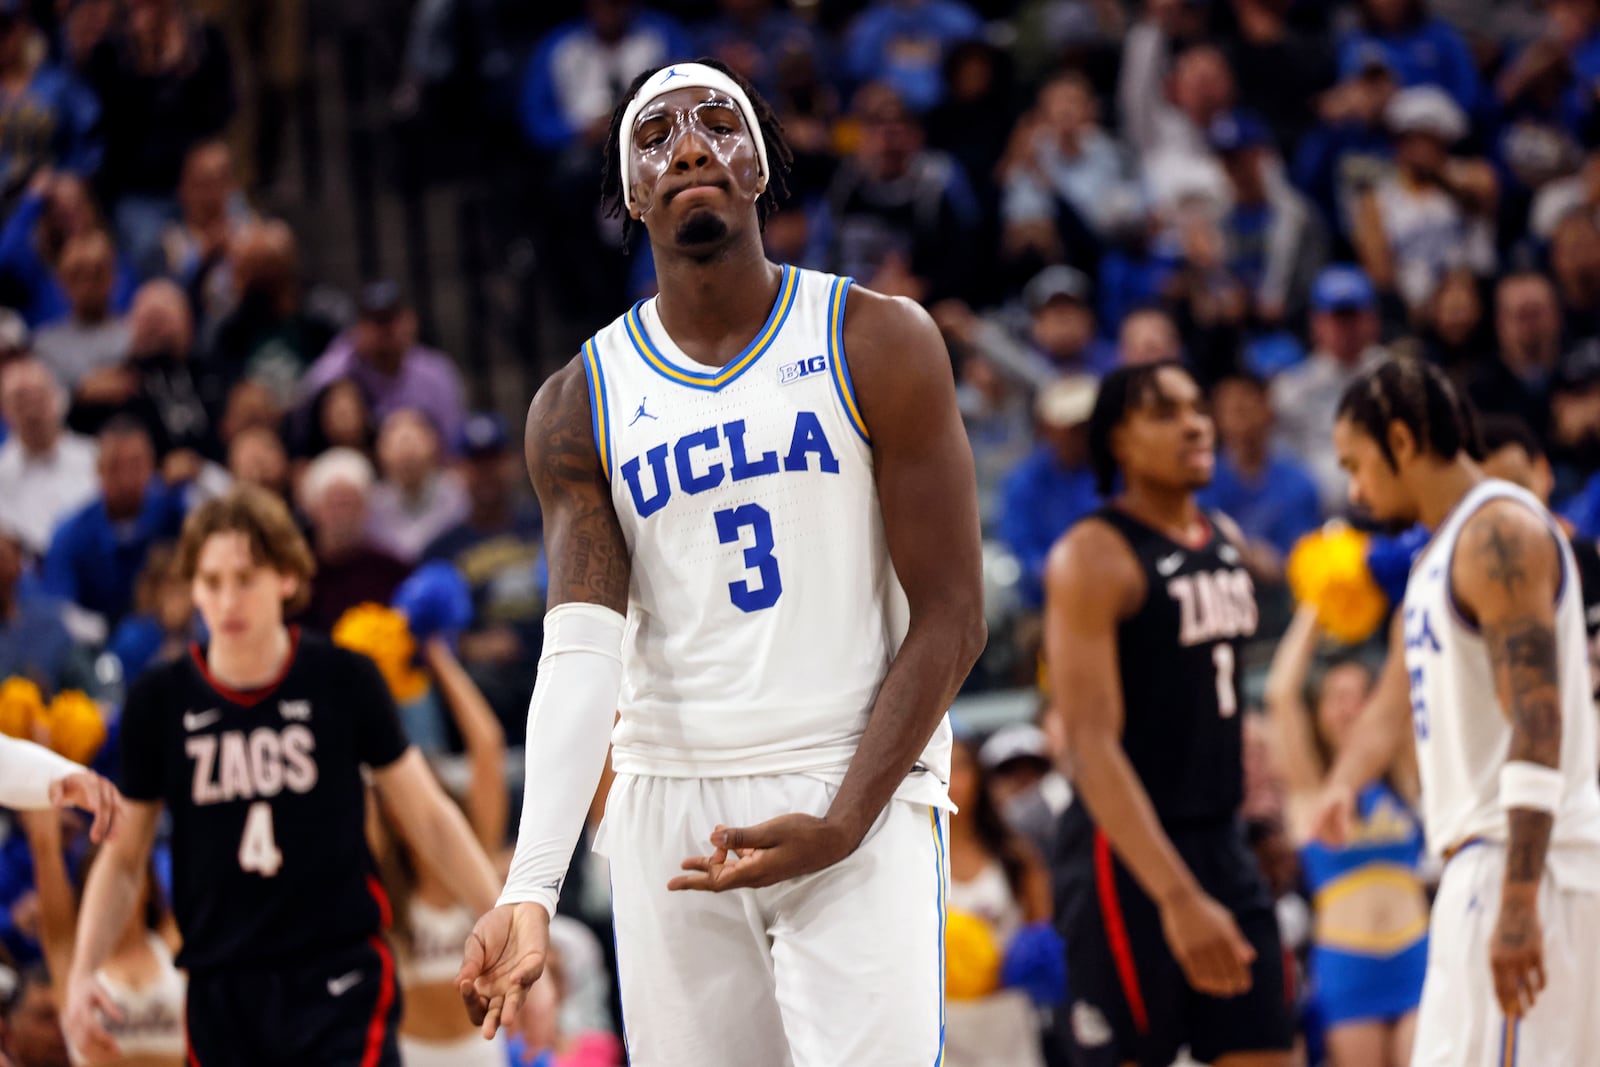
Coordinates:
(1508, 1042)
(1369, 944)
(702, 380)
(1388, 875)
(598, 399)
(841, 372)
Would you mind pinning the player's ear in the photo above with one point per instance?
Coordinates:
(288, 586)
(1402, 444)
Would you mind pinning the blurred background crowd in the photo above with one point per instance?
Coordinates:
(331, 249)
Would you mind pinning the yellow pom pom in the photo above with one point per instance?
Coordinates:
(971, 957)
(21, 706)
(382, 635)
(75, 727)
(1327, 569)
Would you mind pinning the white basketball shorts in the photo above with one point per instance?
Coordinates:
(843, 966)
(1459, 1023)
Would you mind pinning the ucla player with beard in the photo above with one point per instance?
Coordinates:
(762, 529)
(1501, 709)
(1171, 936)
(256, 744)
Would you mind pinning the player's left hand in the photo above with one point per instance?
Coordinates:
(770, 852)
(1516, 954)
(92, 793)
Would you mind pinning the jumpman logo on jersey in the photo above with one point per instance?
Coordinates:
(642, 413)
(672, 72)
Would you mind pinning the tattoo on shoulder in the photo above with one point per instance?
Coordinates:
(585, 547)
(1502, 550)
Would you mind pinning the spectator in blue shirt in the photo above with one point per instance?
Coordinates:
(1350, 149)
(581, 68)
(499, 549)
(47, 117)
(97, 553)
(1421, 49)
(903, 43)
(34, 640)
(1054, 487)
(1265, 491)
(55, 209)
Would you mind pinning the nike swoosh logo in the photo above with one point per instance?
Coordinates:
(193, 722)
(341, 985)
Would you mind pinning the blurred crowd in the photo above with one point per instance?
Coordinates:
(1276, 192)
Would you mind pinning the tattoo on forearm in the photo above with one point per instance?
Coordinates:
(1523, 654)
(1502, 548)
(1527, 844)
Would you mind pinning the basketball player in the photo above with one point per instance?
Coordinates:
(255, 744)
(33, 778)
(1171, 937)
(1492, 634)
(793, 536)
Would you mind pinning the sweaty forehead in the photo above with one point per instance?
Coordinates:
(678, 101)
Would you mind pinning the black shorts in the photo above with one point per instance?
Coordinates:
(1127, 1000)
(341, 1009)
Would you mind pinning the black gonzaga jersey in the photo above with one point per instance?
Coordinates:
(1587, 555)
(1178, 657)
(269, 850)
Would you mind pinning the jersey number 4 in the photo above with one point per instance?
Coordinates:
(258, 848)
(731, 524)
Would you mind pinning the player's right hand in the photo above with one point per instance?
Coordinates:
(504, 956)
(1334, 815)
(88, 1004)
(92, 793)
(1207, 944)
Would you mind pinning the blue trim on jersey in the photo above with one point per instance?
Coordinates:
(788, 286)
(599, 412)
(842, 385)
(938, 854)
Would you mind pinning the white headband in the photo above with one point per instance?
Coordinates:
(687, 76)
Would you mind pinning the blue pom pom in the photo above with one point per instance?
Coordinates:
(1390, 558)
(1036, 962)
(435, 600)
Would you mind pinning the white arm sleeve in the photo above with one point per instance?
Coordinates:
(26, 771)
(569, 729)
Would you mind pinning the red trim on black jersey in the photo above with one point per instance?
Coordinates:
(1105, 880)
(381, 898)
(377, 1028)
(245, 697)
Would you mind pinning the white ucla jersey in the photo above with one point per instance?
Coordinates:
(763, 610)
(1463, 736)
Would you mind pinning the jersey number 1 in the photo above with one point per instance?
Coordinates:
(758, 557)
(258, 848)
(1227, 697)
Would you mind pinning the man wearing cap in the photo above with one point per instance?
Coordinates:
(1054, 487)
(1274, 243)
(1435, 213)
(1344, 333)
(1023, 778)
(1062, 324)
(499, 549)
(380, 352)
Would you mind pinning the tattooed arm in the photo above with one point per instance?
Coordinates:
(574, 697)
(1506, 574)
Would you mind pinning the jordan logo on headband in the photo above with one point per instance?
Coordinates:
(672, 72)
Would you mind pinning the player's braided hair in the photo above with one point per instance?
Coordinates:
(1417, 395)
(1123, 389)
(779, 155)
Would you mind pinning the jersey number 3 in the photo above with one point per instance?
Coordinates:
(258, 848)
(764, 592)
